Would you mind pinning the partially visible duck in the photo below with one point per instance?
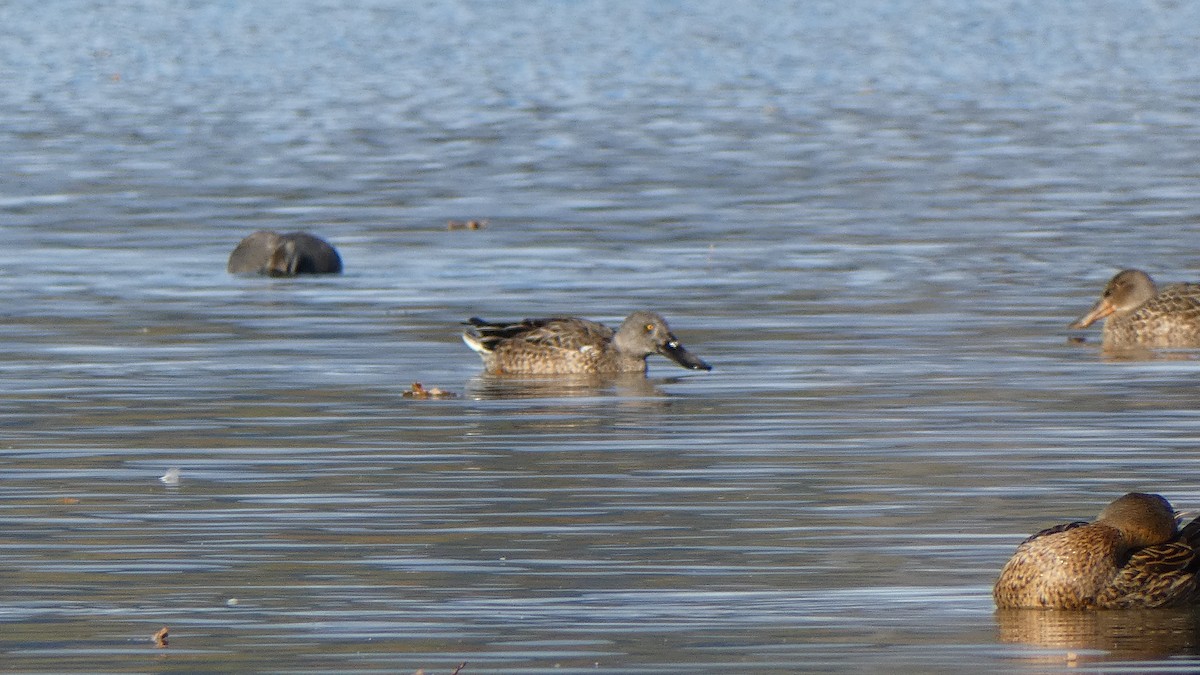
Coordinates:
(1132, 556)
(1137, 314)
(573, 346)
(284, 255)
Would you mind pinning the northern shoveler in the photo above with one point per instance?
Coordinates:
(1132, 556)
(573, 346)
(1138, 314)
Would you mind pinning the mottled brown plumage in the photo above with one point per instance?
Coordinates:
(1131, 556)
(1140, 315)
(573, 346)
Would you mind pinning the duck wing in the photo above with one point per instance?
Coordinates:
(1163, 575)
(1181, 299)
(556, 332)
(1053, 530)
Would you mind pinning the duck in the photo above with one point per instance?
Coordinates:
(284, 255)
(1137, 313)
(575, 346)
(1132, 556)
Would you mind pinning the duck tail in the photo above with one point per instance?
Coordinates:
(1191, 532)
(474, 337)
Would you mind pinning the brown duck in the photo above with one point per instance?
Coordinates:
(1138, 314)
(1132, 556)
(574, 346)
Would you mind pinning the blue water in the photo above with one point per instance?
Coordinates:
(874, 219)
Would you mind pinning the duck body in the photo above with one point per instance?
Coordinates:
(574, 346)
(284, 255)
(1131, 556)
(1137, 313)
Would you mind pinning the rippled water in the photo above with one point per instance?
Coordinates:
(874, 219)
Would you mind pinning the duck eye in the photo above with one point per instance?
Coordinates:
(649, 328)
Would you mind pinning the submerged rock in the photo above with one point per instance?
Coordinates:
(284, 255)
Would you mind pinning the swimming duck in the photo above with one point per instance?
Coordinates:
(573, 346)
(1132, 556)
(1140, 315)
(284, 255)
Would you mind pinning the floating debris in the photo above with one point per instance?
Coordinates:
(171, 477)
(160, 638)
(418, 390)
(466, 224)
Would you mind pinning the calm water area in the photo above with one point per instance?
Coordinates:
(875, 219)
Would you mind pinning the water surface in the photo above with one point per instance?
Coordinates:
(874, 219)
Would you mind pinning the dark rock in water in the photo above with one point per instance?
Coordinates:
(284, 255)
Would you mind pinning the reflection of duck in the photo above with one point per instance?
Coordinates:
(572, 346)
(1120, 634)
(1131, 556)
(620, 385)
(1138, 314)
(284, 255)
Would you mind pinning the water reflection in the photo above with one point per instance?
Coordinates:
(489, 387)
(1117, 354)
(1103, 635)
(1134, 354)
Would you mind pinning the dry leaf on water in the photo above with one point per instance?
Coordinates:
(418, 390)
